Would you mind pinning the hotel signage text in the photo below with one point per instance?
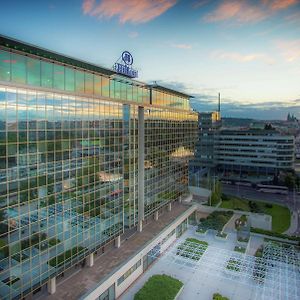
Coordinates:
(125, 67)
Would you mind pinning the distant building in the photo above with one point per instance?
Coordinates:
(254, 150)
(265, 151)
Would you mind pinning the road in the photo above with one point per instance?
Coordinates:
(292, 201)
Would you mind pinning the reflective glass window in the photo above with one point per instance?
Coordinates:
(134, 93)
(123, 90)
(70, 79)
(105, 86)
(79, 81)
(59, 77)
(18, 68)
(47, 74)
(112, 88)
(140, 94)
(117, 90)
(33, 71)
(88, 83)
(97, 84)
(5, 61)
(129, 92)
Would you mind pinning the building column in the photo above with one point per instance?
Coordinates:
(51, 285)
(140, 226)
(156, 215)
(118, 241)
(141, 166)
(170, 206)
(180, 199)
(90, 260)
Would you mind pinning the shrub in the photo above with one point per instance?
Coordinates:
(60, 259)
(275, 234)
(217, 296)
(162, 287)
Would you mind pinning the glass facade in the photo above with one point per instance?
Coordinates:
(69, 164)
(27, 70)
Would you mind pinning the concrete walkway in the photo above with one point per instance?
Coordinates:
(294, 224)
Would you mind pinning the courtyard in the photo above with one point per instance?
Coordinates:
(212, 266)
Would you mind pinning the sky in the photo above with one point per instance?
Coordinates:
(249, 51)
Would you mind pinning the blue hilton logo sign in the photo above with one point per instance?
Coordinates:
(125, 67)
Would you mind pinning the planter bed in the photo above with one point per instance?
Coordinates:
(221, 236)
(239, 249)
(193, 251)
(233, 265)
(160, 287)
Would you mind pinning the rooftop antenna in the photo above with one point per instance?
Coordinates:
(219, 103)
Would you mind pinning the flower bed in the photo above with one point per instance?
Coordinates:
(159, 287)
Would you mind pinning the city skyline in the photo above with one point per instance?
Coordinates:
(247, 50)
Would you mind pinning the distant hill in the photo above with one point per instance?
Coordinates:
(236, 122)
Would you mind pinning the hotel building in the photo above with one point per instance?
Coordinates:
(87, 157)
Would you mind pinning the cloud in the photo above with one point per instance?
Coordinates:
(182, 46)
(240, 11)
(246, 11)
(133, 34)
(281, 4)
(134, 11)
(238, 57)
(290, 50)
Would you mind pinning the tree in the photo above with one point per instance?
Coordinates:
(289, 181)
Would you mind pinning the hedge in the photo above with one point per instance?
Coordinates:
(275, 234)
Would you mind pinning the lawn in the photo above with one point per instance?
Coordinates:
(159, 287)
(281, 216)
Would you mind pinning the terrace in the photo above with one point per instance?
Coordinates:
(87, 279)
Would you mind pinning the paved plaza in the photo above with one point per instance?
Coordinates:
(222, 270)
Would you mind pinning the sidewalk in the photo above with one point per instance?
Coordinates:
(294, 224)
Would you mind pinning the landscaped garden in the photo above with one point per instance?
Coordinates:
(216, 220)
(217, 296)
(60, 259)
(281, 216)
(240, 249)
(159, 287)
(192, 248)
(234, 265)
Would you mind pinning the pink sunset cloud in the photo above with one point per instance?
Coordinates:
(134, 11)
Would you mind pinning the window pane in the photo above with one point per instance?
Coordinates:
(140, 94)
(105, 87)
(134, 93)
(5, 65)
(97, 85)
(123, 90)
(117, 90)
(112, 88)
(33, 71)
(88, 83)
(47, 74)
(59, 77)
(129, 92)
(79, 81)
(18, 68)
(70, 79)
